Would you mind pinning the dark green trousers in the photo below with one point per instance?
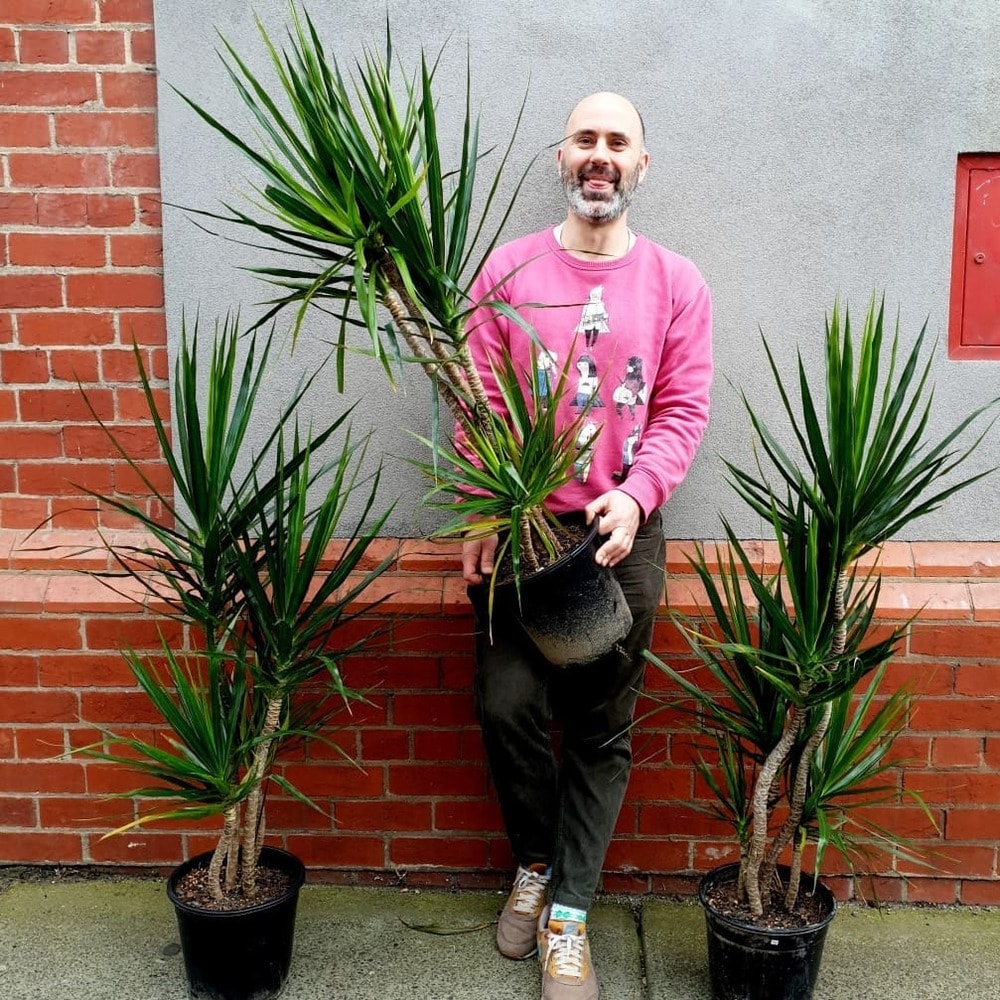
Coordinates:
(561, 808)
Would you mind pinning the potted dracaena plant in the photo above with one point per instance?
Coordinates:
(355, 193)
(243, 558)
(791, 687)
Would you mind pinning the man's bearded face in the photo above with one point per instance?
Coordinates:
(600, 205)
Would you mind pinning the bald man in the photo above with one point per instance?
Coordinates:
(630, 321)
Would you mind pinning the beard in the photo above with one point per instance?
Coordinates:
(599, 206)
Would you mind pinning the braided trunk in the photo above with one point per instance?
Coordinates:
(253, 815)
(769, 772)
(800, 786)
(447, 361)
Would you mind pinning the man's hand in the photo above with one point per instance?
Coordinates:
(620, 516)
(477, 558)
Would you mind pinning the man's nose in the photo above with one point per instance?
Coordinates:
(600, 152)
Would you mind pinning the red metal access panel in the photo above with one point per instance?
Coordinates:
(974, 318)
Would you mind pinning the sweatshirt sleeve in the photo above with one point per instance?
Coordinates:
(679, 404)
(487, 331)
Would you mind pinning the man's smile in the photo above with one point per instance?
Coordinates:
(599, 180)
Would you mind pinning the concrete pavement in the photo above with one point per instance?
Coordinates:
(116, 939)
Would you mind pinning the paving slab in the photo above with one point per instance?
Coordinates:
(900, 953)
(104, 941)
(916, 954)
(88, 940)
(356, 943)
(673, 937)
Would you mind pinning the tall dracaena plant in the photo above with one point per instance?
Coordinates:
(354, 190)
(241, 557)
(869, 471)
(790, 646)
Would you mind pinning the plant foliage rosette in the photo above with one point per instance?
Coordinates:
(243, 559)
(791, 685)
(353, 191)
(502, 478)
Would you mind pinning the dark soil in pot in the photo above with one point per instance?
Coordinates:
(192, 889)
(777, 960)
(811, 908)
(571, 534)
(239, 954)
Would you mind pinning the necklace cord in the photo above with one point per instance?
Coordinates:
(629, 243)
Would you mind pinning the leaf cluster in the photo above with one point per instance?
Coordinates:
(498, 477)
(354, 191)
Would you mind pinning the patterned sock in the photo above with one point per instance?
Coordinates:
(560, 912)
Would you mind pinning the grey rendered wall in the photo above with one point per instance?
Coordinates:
(800, 149)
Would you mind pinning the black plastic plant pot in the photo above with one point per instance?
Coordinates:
(747, 962)
(239, 954)
(574, 610)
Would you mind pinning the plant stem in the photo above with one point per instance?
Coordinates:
(453, 370)
(231, 818)
(462, 375)
(839, 625)
(255, 800)
(446, 374)
(761, 794)
(527, 549)
(795, 870)
(544, 529)
(800, 785)
(233, 856)
(796, 804)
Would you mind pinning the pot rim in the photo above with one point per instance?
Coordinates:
(526, 577)
(286, 861)
(728, 872)
(572, 518)
(566, 557)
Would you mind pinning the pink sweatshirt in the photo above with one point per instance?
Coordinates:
(638, 330)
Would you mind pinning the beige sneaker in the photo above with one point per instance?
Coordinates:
(564, 951)
(516, 928)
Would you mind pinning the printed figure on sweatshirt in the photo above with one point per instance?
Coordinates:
(545, 365)
(595, 317)
(585, 455)
(632, 390)
(628, 454)
(586, 386)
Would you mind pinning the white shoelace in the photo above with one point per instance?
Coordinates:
(530, 888)
(565, 951)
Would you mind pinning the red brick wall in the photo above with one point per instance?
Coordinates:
(79, 278)
(80, 251)
(421, 802)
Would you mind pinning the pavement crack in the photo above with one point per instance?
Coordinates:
(641, 937)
